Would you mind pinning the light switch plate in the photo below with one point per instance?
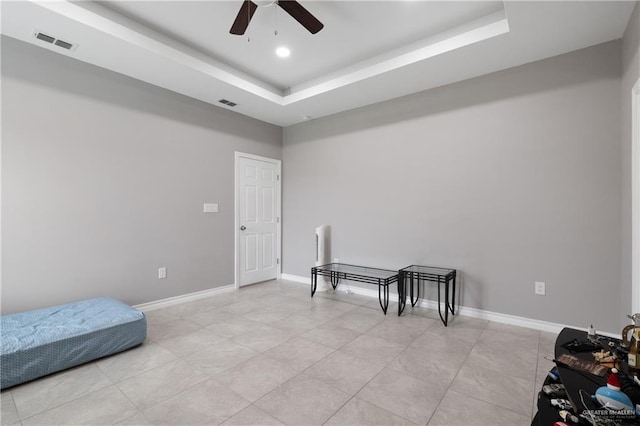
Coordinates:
(162, 272)
(210, 207)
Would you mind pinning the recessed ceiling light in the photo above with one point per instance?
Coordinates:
(283, 52)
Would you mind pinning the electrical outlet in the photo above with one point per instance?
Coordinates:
(540, 288)
(336, 260)
(162, 272)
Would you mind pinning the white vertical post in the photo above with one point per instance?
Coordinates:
(635, 198)
(322, 254)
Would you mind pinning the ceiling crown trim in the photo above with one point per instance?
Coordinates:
(478, 30)
(103, 20)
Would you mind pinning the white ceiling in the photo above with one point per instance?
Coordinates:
(367, 51)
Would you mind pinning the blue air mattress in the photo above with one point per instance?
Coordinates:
(41, 342)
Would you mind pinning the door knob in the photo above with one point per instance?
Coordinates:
(242, 228)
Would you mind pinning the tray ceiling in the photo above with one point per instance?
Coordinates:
(367, 52)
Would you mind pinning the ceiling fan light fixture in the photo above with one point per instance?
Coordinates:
(283, 52)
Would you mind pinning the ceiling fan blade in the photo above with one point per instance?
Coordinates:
(302, 15)
(243, 18)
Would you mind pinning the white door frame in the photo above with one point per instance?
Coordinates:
(237, 221)
(635, 198)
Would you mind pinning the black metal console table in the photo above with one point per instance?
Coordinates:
(337, 271)
(417, 273)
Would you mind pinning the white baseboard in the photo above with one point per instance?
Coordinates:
(465, 311)
(519, 321)
(170, 301)
(322, 285)
(297, 278)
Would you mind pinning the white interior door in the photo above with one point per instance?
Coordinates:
(257, 218)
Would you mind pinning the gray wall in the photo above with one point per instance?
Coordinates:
(630, 75)
(103, 180)
(511, 178)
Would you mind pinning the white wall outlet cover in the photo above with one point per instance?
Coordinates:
(210, 207)
(162, 272)
(540, 288)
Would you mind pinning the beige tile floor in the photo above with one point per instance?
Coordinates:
(270, 355)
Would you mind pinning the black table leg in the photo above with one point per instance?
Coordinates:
(443, 319)
(413, 302)
(335, 280)
(410, 282)
(383, 296)
(446, 305)
(386, 298)
(402, 297)
(453, 296)
(314, 281)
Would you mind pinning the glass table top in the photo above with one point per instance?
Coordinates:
(343, 268)
(427, 270)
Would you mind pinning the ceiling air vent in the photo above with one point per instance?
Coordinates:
(50, 39)
(64, 44)
(44, 37)
(227, 102)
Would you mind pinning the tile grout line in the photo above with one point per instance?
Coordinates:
(13, 401)
(339, 408)
(115, 382)
(487, 402)
(388, 365)
(138, 410)
(238, 395)
(326, 356)
(287, 381)
(141, 409)
(456, 375)
(66, 402)
(362, 387)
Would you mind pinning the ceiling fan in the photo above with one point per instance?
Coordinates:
(293, 8)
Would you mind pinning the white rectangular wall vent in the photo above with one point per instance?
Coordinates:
(53, 40)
